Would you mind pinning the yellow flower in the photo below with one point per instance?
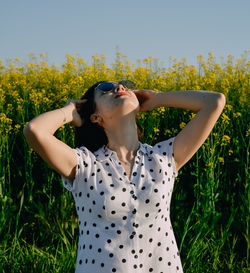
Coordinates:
(221, 160)
(225, 140)
(162, 109)
(225, 118)
(237, 114)
(212, 150)
(182, 125)
(167, 132)
(192, 115)
(210, 164)
(230, 152)
(156, 131)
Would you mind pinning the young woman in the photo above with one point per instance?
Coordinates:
(122, 188)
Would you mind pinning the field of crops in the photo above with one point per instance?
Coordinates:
(210, 202)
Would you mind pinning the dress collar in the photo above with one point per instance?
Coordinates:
(104, 153)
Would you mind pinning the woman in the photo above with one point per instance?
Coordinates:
(122, 188)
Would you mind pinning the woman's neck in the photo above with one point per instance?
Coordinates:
(124, 141)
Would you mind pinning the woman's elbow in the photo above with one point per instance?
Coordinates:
(28, 130)
(219, 100)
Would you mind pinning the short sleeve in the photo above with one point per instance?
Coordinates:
(83, 161)
(166, 149)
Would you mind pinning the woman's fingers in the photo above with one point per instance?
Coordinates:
(77, 120)
(79, 103)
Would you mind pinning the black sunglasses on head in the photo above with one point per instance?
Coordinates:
(111, 86)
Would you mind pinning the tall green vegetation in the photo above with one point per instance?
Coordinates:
(210, 202)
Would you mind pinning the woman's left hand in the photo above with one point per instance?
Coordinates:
(147, 99)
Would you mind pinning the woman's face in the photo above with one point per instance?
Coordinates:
(113, 105)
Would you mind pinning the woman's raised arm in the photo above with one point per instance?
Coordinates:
(207, 104)
(39, 133)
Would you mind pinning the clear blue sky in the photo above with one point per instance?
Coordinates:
(141, 28)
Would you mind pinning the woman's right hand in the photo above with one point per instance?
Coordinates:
(76, 104)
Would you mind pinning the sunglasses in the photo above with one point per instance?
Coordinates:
(105, 87)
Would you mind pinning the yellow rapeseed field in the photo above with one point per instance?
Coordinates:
(210, 208)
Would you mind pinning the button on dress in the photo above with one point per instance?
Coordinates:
(124, 223)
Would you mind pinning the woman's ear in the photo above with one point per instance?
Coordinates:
(95, 118)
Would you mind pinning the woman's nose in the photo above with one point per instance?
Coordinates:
(121, 88)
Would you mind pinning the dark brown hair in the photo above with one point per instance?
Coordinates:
(91, 135)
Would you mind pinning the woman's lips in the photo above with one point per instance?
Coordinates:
(121, 94)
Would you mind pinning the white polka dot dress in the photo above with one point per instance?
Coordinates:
(124, 225)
